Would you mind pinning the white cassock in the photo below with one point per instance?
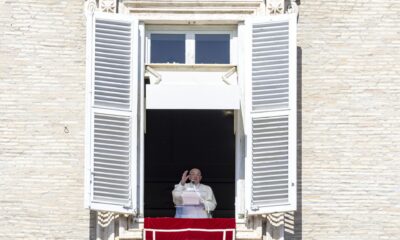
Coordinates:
(207, 201)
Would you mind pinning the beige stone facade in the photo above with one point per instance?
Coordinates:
(349, 120)
(42, 91)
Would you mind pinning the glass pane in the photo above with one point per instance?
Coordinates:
(167, 48)
(212, 48)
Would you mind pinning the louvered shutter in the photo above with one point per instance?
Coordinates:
(270, 115)
(112, 85)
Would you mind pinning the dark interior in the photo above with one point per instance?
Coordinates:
(178, 140)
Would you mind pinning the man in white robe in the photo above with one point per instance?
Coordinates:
(207, 202)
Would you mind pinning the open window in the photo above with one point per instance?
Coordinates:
(192, 99)
(178, 140)
(189, 116)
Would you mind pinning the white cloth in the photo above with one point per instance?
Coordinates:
(207, 199)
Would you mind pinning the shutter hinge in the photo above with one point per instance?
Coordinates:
(135, 212)
(129, 205)
(255, 208)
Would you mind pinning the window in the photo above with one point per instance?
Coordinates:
(203, 45)
(114, 118)
(167, 48)
(212, 48)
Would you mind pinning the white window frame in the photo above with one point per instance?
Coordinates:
(190, 32)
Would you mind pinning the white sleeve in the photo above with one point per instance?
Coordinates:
(210, 203)
(177, 194)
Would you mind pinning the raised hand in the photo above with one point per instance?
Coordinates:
(185, 177)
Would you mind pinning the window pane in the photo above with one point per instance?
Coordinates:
(167, 48)
(212, 48)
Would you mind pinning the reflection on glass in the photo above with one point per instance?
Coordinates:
(167, 48)
(212, 48)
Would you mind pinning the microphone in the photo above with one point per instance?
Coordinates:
(193, 185)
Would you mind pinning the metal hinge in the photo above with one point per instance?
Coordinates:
(255, 208)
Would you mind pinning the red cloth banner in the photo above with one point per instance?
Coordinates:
(189, 229)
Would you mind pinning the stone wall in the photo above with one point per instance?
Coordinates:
(350, 120)
(42, 83)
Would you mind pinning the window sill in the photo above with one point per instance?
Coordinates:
(190, 66)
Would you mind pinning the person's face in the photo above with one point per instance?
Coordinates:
(195, 176)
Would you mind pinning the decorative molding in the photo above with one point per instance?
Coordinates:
(193, 6)
(91, 6)
(275, 226)
(104, 218)
(109, 6)
(275, 7)
(105, 227)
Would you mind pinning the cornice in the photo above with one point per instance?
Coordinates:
(193, 6)
(197, 11)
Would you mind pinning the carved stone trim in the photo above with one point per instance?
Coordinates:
(105, 227)
(193, 6)
(275, 226)
(109, 6)
(104, 218)
(91, 6)
(275, 7)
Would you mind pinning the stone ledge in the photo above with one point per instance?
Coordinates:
(132, 234)
(136, 234)
(193, 6)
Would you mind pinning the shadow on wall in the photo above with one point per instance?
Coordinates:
(288, 3)
(293, 220)
(92, 225)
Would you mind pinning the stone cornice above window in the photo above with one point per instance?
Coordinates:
(194, 6)
(195, 10)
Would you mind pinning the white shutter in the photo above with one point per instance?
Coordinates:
(112, 117)
(270, 115)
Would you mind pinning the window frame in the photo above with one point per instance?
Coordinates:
(190, 43)
(238, 35)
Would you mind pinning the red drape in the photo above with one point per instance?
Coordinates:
(186, 224)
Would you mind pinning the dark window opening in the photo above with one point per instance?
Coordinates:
(177, 140)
